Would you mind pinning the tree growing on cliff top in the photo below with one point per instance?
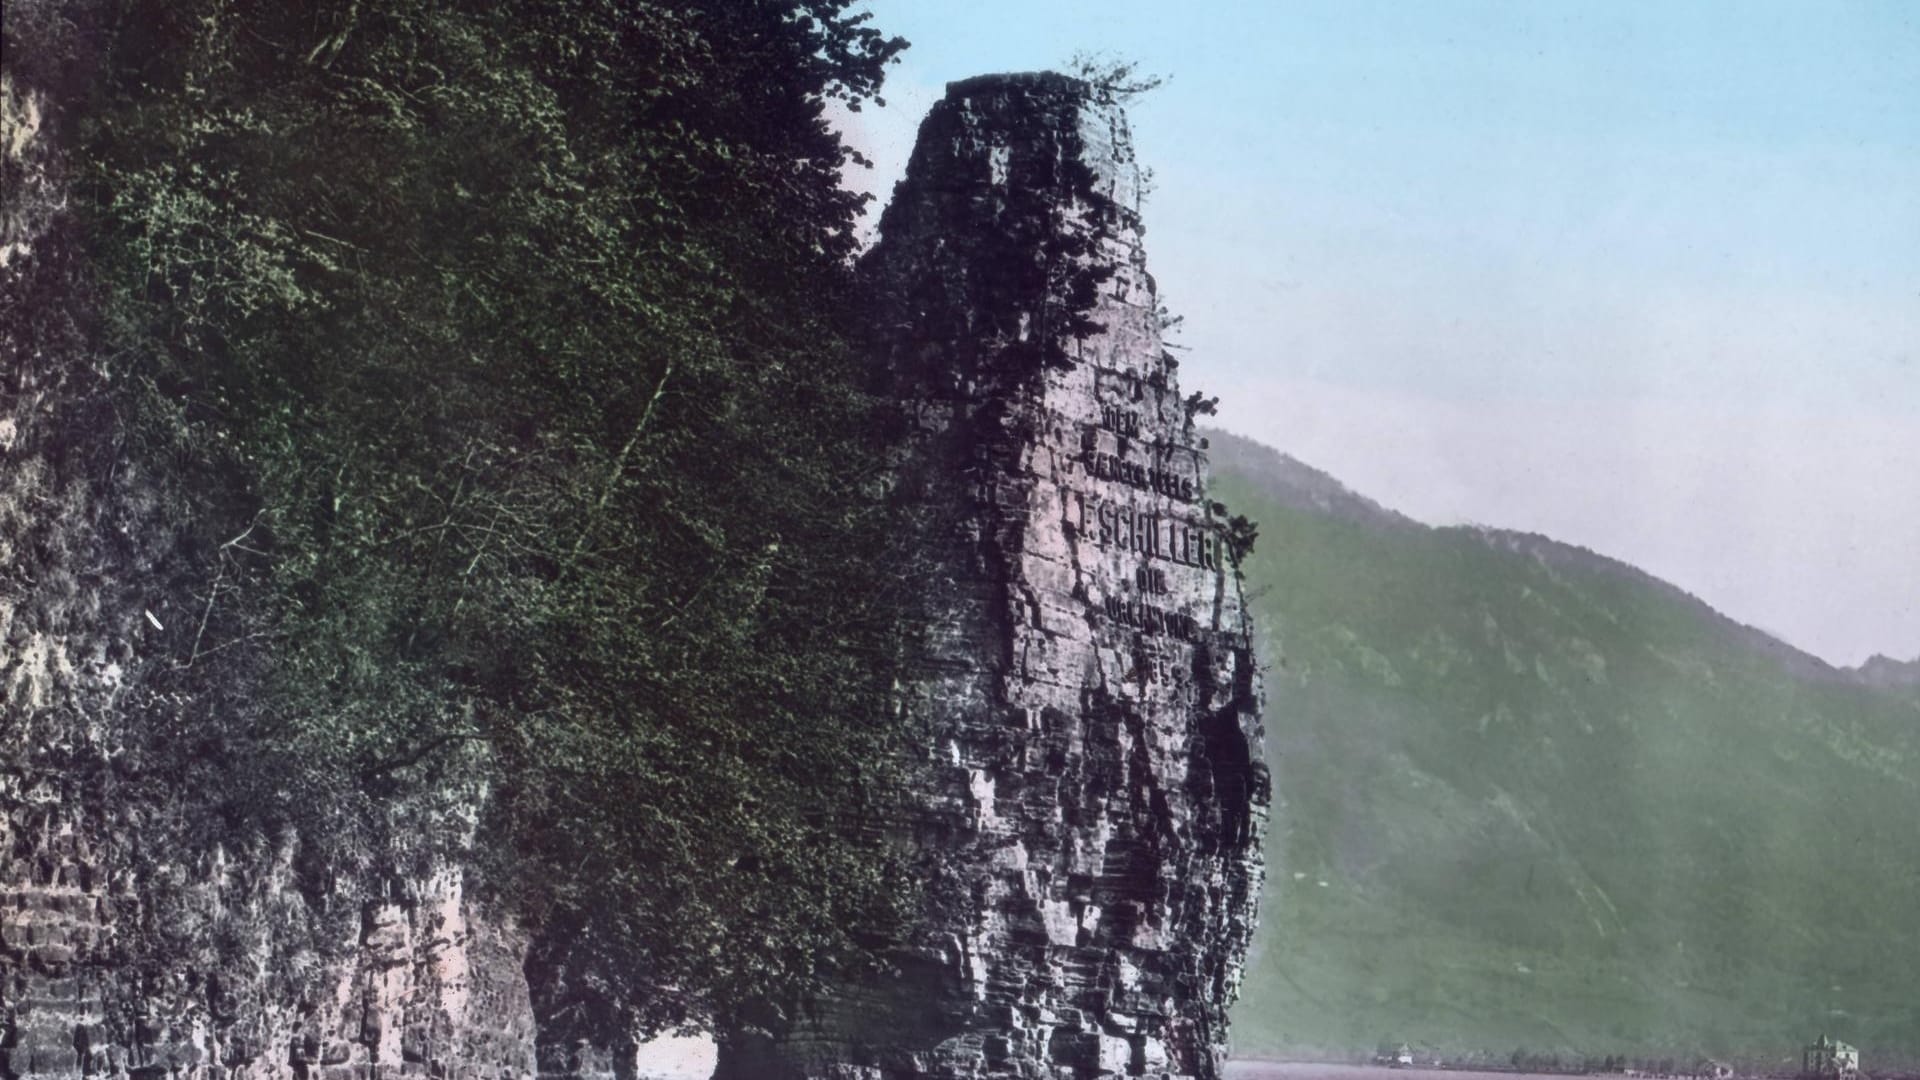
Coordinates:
(503, 348)
(1112, 77)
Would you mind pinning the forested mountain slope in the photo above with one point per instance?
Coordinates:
(1530, 797)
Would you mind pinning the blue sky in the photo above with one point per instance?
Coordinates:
(1643, 277)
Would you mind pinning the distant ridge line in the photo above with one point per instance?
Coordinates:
(1294, 483)
(1885, 673)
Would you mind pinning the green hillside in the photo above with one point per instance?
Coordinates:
(1527, 796)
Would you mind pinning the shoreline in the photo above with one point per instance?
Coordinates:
(1266, 1068)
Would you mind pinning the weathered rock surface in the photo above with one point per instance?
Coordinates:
(1091, 832)
(1087, 687)
(125, 949)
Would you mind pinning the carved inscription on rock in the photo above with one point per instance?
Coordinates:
(1170, 537)
(1104, 466)
(1120, 421)
(1091, 869)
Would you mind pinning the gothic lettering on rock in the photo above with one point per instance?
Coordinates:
(1150, 579)
(1105, 466)
(1150, 618)
(1120, 421)
(1158, 665)
(1157, 536)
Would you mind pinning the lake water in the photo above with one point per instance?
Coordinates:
(1295, 1070)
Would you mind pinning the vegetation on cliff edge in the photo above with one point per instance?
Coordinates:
(497, 354)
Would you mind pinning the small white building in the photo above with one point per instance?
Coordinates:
(1828, 1058)
(1394, 1055)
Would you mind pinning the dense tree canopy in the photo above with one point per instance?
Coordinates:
(502, 348)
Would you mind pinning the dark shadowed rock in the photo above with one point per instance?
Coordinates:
(1090, 836)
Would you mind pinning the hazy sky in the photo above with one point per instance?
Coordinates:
(1640, 276)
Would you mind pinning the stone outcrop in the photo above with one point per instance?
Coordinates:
(422, 986)
(1091, 832)
(135, 942)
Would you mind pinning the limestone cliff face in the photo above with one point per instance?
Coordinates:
(135, 941)
(1087, 688)
(1089, 702)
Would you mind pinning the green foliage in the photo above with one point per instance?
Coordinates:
(508, 346)
(1534, 797)
(1241, 532)
(1112, 77)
